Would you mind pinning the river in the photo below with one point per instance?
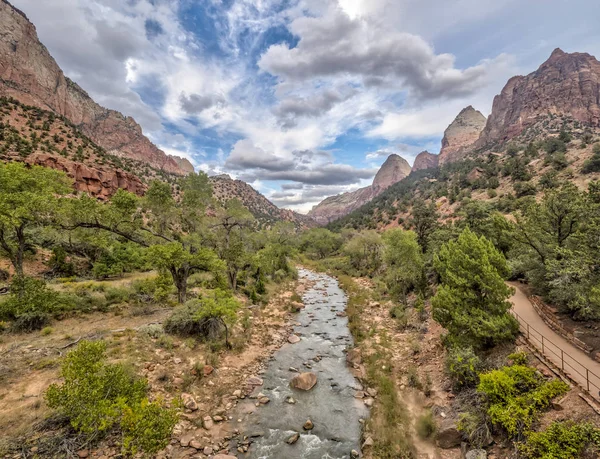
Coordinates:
(330, 404)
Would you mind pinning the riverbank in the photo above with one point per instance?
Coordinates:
(206, 374)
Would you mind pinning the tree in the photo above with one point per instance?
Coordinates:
(233, 224)
(471, 302)
(29, 198)
(403, 259)
(320, 242)
(173, 229)
(365, 251)
(423, 221)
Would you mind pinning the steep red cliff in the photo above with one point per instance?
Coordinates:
(30, 74)
(566, 84)
(425, 160)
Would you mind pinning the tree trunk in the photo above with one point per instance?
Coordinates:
(180, 277)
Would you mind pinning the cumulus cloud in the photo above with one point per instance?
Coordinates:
(307, 166)
(336, 45)
(197, 103)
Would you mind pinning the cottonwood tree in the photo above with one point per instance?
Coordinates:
(403, 260)
(472, 300)
(29, 198)
(173, 229)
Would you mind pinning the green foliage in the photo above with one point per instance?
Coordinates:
(31, 304)
(365, 252)
(516, 394)
(561, 440)
(147, 427)
(94, 392)
(471, 302)
(463, 366)
(29, 198)
(426, 425)
(403, 260)
(554, 145)
(320, 242)
(206, 317)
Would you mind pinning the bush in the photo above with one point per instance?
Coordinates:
(156, 288)
(207, 316)
(561, 440)
(516, 394)
(426, 426)
(462, 365)
(147, 427)
(116, 295)
(97, 397)
(31, 304)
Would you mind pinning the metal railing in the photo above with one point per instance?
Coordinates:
(571, 368)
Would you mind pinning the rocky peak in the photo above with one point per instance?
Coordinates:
(462, 133)
(566, 84)
(30, 74)
(394, 169)
(425, 160)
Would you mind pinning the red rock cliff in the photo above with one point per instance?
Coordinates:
(30, 74)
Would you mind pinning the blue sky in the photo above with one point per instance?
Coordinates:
(303, 98)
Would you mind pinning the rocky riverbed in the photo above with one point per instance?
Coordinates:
(290, 415)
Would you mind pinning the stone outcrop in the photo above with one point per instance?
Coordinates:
(566, 84)
(226, 188)
(425, 160)
(31, 75)
(462, 133)
(394, 169)
(304, 381)
(97, 181)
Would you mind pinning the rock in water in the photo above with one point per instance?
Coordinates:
(308, 425)
(304, 381)
(293, 439)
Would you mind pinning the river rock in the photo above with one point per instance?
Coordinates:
(353, 357)
(476, 454)
(254, 381)
(448, 435)
(224, 456)
(304, 381)
(189, 402)
(293, 339)
(308, 425)
(293, 439)
(207, 422)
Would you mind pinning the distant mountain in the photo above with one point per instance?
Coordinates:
(30, 74)
(394, 169)
(425, 160)
(566, 84)
(541, 133)
(462, 133)
(225, 188)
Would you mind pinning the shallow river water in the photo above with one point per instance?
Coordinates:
(330, 405)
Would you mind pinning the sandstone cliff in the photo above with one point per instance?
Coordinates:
(566, 84)
(425, 160)
(394, 169)
(462, 133)
(31, 75)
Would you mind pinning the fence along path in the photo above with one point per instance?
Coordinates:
(579, 366)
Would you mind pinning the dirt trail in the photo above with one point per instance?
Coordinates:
(576, 363)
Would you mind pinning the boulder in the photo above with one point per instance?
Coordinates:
(476, 454)
(304, 381)
(293, 339)
(448, 435)
(293, 439)
(189, 402)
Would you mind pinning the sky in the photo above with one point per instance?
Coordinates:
(303, 99)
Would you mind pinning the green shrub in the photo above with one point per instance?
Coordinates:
(31, 304)
(462, 365)
(425, 426)
(97, 397)
(516, 394)
(116, 295)
(156, 288)
(147, 427)
(561, 440)
(207, 316)
(93, 391)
